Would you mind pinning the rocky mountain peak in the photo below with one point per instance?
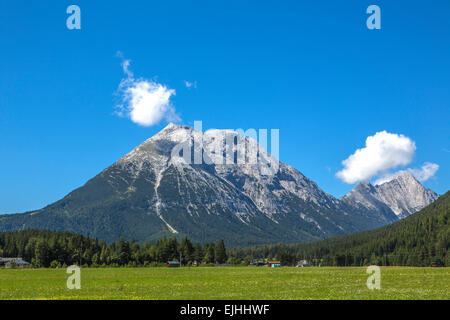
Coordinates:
(363, 187)
(403, 194)
(402, 177)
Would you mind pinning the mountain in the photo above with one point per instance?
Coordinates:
(161, 189)
(417, 240)
(403, 195)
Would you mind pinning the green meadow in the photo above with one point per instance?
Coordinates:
(226, 283)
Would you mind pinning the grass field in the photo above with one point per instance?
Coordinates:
(226, 283)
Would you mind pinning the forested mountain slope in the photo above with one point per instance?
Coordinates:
(418, 240)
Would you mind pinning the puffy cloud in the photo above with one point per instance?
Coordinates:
(145, 102)
(427, 171)
(383, 151)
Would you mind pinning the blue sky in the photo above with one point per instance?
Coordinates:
(311, 69)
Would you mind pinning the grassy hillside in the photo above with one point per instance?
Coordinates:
(418, 240)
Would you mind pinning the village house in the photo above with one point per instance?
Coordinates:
(13, 262)
(173, 264)
(274, 264)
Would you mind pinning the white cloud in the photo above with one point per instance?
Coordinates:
(190, 84)
(383, 151)
(427, 171)
(145, 102)
(125, 65)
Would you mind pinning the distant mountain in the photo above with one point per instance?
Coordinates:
(150, 193)
(403, 195)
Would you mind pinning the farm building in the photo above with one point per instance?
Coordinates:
(173, 264)
(13, 262)
(274, 264)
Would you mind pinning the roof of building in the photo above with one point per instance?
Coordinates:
(15, 260)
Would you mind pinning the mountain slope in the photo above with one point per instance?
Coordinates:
(417, 240)
(153, 192)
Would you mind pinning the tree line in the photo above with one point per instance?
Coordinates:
(421, 239)
(44, 248)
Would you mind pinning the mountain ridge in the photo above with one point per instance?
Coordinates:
(403, 194)
(150, 192)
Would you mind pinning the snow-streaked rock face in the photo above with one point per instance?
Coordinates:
(264, 190)
(403, 195)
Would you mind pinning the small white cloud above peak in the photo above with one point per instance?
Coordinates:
(383, 151)
(145, 102)
(427, 171)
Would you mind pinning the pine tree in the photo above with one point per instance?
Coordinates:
(221, 252)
